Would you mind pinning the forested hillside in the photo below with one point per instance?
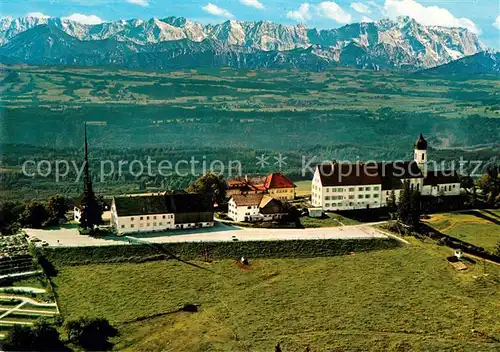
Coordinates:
(232, 114)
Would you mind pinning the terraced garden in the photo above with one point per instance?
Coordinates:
(24, 293)
(23, 306)
(15, 256)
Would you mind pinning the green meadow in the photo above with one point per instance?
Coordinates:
(401, 299)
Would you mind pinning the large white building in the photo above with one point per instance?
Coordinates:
(349, 186)
(161, 212)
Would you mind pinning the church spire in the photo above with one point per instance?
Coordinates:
(91, 211)
(87, 180)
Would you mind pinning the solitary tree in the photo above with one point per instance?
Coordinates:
(57, 206)
(416, 210)
(212, 184)
(10, 213)
(90, 333)
(293, 213)
(35, 215)
(404, 204)
(391, 203)
(409, 210)
(489, 184)
(40, 337)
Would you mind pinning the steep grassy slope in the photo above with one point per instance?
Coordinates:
(384, 300)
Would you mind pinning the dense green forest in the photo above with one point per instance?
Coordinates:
(227, 114)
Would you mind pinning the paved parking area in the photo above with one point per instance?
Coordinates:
(69, 237)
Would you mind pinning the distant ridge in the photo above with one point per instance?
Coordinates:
(177, 42)
(480, 63)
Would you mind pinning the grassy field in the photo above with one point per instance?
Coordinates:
(149, 109)
(303, 188)
(245, 90)
(397, 300)
(481, 228)
(328, 220)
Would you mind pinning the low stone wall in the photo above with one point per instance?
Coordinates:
(212, 250)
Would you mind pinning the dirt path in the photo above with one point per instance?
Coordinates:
(22, 289)
(17, 309)
(27, 273)
(12, 310)
(28, 300)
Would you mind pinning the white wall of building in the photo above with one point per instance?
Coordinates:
(420, 156)
(316, 190)
(351, 197)
(241, 213)
(77, 213)
(369, 196)
(449, 189)
(150, 223)
(144, 223)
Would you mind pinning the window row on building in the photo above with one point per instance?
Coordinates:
(154, 217)
(348, 189)
(147, 224)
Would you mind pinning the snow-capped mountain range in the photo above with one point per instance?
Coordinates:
(178, 42)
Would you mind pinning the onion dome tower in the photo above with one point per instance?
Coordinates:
(420, 154)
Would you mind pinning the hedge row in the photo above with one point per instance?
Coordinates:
(456, 243)
(212, 250)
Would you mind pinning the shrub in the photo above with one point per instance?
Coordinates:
(91, 333)
(497, 250)
(41, 337)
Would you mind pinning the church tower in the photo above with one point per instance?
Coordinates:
(420, 155)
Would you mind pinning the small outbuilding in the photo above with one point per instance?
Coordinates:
(315, 212)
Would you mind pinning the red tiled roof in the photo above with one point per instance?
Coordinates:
(277, 180)
(261, 187)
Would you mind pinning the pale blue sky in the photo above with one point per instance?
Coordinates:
(481, 16)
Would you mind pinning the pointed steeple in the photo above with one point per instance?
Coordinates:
(91, 212)
(87, 180)
(421, 143)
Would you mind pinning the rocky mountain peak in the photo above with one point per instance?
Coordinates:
(402, 42)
